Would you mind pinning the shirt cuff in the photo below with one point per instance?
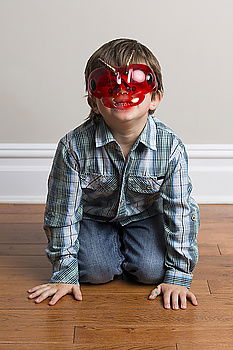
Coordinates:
(68, 274)
(173, 276)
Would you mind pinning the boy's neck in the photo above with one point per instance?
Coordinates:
(127, 133)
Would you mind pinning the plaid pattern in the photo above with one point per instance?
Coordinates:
(90, 179)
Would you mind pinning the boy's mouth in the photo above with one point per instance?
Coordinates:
(125, 104)
(123, 101)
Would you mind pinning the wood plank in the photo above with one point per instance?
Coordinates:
(22, 249)
(24, 261)
(22, 233)
(215, 232)
(211, 266)
(226, 249)
(222, 274)
(221, 261)
(208, 249)
(21, 331)
(223, 212)
(86, 335)
(204, 346)
(13, 208)
(215, 222)
(21, 218)
(142, 335)
(218, 286)
(25, 276)
(57, 346)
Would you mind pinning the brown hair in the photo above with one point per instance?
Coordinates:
(117, 53)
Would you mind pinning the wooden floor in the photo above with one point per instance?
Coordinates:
(117, 315)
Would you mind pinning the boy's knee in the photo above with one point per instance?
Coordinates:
(97, 274)
(148, 273)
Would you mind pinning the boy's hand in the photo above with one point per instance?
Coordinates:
(173, 295)
(58, 290)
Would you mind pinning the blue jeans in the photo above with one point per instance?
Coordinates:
(109, 249)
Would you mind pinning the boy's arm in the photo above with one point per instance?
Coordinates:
(62, 251)
(181, 221)
(62, 216)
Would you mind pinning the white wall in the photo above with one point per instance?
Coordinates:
(45, 44)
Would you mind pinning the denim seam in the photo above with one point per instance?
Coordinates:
(118, 251)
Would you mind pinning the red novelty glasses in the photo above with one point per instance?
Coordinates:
(122, 87)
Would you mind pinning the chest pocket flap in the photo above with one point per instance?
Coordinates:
(141, 184)
(98, 182)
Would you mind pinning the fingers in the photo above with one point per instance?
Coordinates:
(45, 294)
(175, 300)
(166, 300)
(154, 293)
(183, 301)
(38, 292)
(166, 296)
(38, 287)
(77, 293)
(58, 295)
(66, 289)
(174, 296)
(192, 297)
(44, 291)
(180, 298)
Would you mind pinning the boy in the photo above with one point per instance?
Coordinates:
(119, 191)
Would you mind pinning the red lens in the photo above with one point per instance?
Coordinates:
(105, 83)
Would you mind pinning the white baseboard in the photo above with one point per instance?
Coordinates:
(24, 170)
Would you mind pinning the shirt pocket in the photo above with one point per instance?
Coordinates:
(147, 185)
(143, 191)
(98, 186)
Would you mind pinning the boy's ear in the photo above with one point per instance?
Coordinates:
(155, 100)
(92, 104)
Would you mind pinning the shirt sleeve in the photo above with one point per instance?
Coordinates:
(181, 221)
(63, 213)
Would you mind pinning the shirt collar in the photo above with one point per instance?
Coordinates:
(148, 136)
(103, 135)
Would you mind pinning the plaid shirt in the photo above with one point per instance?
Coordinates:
(91, 179)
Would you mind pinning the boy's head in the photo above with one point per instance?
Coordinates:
(123, 53)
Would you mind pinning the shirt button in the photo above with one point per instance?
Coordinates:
(122, 201)
(148, 187)
(194, 218)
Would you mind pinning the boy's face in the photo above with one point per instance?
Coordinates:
(123, 93)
